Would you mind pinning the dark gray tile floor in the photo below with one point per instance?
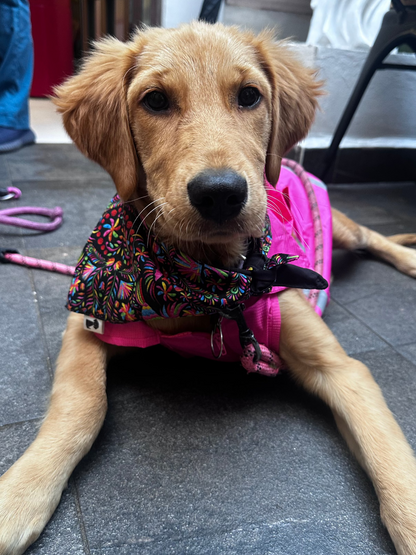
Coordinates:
(194, 457)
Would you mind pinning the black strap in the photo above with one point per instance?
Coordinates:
(263, 279)
(286, 275)
(283, 275)
(6, 251)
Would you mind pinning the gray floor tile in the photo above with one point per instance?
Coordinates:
(210, 459)
(357, 276)
(52, 290)
(397, 378)
(5, 180)
(24, 375)
(408, 351)
(312, 535)
(10, 236)
(389, 313)
(366, 215)
(4, 167)
(354, 336)
(375, 203)
(51, 162)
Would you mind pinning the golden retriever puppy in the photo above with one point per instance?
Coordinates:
(172, 115)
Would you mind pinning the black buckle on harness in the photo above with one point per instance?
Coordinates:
(3, 259)
(284, 274)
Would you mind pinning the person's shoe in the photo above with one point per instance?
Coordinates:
(13, 139)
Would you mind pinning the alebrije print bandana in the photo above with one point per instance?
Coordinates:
(126, 274)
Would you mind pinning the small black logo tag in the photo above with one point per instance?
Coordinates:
(93, 324)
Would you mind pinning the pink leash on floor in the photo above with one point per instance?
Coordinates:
(8, 217)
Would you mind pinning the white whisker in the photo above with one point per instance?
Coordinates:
(147, 215)
(147, 206)
(134, 199)
(163, 224)
(153, 224)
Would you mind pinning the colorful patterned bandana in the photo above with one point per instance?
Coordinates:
(126, 274)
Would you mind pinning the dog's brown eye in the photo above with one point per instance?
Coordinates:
(248, 97)
(156, 101)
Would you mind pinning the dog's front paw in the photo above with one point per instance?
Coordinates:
(27, 501)
(400, 519)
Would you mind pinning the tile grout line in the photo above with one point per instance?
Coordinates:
(373, 331)
(370, 257)
(20, 422)
(83, 528)
(333, 298)
(39, 250)
(42, 329)
(411, 343)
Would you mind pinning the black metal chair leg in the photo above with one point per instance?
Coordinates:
(396, 29)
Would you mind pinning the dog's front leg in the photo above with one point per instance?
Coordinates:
(319, 363)
(31, 489)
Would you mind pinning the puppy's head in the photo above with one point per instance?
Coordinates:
(189, 120)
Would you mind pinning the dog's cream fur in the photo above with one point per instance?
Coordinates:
(152, 157)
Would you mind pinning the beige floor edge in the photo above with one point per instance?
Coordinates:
(46, 123)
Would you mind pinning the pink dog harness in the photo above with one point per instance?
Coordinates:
(125, 279)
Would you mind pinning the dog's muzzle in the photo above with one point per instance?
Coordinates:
(218, 195)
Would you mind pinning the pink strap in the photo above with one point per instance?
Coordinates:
(40, 264)
(55, 214)
(268, 365)
(316, 218)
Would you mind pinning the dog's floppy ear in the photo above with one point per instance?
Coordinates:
(295, 92)
(93, 105)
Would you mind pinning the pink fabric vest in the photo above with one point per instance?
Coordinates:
(301, 221)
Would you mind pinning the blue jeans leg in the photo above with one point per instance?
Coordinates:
(16, 63)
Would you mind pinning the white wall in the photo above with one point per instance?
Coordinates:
(175, 12)
(386, 115)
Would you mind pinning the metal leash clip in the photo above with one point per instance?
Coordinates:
(246, 336)
(217, 329)
(5, 194)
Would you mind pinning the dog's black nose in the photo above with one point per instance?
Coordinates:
(218, 195)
